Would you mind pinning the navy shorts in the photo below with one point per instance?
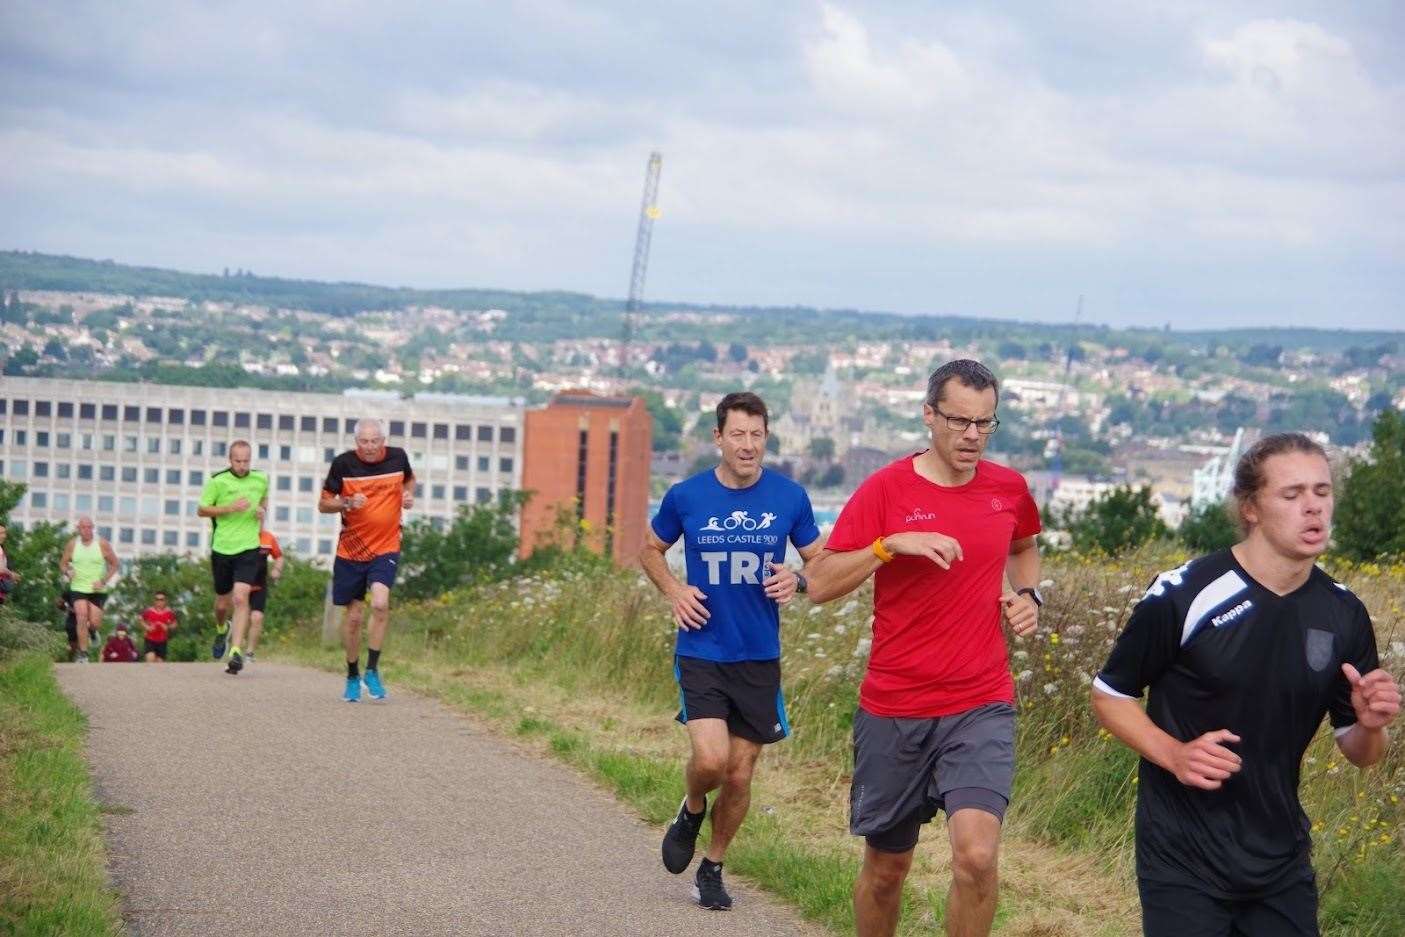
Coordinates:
(351, 579)
(1184, 911)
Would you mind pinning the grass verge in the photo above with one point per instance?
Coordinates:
(53, 878)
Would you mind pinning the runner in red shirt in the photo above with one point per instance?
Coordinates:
(158, 621)
(943, 530)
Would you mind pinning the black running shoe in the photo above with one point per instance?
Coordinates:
(682, 837)
(236, 663)
(707, 887)
(221, 642)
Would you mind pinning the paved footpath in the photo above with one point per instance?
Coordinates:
(263, 805)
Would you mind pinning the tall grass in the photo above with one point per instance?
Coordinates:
(606, 633)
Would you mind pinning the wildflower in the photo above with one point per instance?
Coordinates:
(1020, 655)
(816, 610)
(861, 649)
(1046, 584)
(1024, 675)
(1050, 689)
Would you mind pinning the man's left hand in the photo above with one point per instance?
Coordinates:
(1021, 612)
(781, 584)
(1375, 697)
(407, 500)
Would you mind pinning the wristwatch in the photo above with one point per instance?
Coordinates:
(801, 584)
(1033, 593)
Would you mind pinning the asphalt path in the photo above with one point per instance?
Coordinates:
(264, 805)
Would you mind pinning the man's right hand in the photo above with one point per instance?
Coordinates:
(355, 502)
(1205, 762)
(939, 548)
(241, 504)
(689, 612)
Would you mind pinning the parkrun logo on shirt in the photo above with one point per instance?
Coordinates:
(1232, 614)
(919, 515)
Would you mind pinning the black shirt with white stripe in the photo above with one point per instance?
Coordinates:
(1221, 651)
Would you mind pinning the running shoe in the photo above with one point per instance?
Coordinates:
(682, 837)
(236, 663)
(248, 658)
(353, 690)
(707, 887)
(374, 685)
(221, 642)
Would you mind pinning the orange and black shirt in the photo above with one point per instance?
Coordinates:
(374, 528)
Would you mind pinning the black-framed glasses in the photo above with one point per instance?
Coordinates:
(962, 423)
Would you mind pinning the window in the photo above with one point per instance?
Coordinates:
(60, 501)
(172, 507)
(329, 424)
(280, 514)
(483, 463)
(194, 477)
(107, 473)
(42, 408)
(284, 483)
(150, 506)
(264, 421)
(197, 417)
(63, 441)
(4, 405)
(173, 476)
(129, 443)
(129, 473)
(21, 437)
(109, 442)
(21, 408)
(461, 463)
(85, 441)
(151, 476)
(63, 470)
(105, 533)
(307, 454)
(66, 410)
(85, 473)
(285, 453)
(304, 545)
(173, 446)
(485, 434)
(441, 430)
(126, 535)
(304, 483)
(219, 449)
(460, 492)
(192, 539)
(41, 469)
(148, 537)
(126, 505)
(285, 422)
(41, 438)
(436, 492)
(482, 495)
(397, 427)
(83, 504)
(349, 426)
(328, 455)
(176, 417)
(419, 489)
(109, 411)
(38, 499)
(304, 515)
(105, 504)
(324, 546)
(197, 447)
(153, 446)
(505, 464)
(192, 508)
(417, 430)
(170, 538)
(153, 414)
(219, 418)
(241, 421)
(307, 424)
(463, 432)
(263, 451)
(19, 468)
(131, 414)
(87, 411)
(507, 434)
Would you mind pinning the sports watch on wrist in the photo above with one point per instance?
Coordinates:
(801, 584)
(1033, 593)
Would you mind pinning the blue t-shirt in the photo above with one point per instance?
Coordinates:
(729, 535)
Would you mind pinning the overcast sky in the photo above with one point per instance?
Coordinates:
(1198, 163)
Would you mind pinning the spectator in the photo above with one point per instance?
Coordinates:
(119, 648)
(8, 577)
(158, 621)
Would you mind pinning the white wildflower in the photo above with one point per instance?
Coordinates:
(1020, 655)
(1024, 675)
(813, 636)
(1050, 689)
(816, 610)
(1046, 583)
(862, 648)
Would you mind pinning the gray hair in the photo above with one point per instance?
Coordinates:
(368, 422)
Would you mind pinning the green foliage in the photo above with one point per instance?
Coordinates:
(1208, 529)
(18, 636)
(34, 555)
(1370, 514)
(668, 422)
(1121, 520)
(478, 546)
(822, 448)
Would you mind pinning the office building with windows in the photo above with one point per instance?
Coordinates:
(135, 456)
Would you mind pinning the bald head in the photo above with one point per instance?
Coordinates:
(85, 528)
(370, 440)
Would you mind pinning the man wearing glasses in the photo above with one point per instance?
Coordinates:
(935, 730)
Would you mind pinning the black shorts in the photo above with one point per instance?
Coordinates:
(155, 647)
(93, 598)
(747, 694)
(258, 599)
(1185, 911)
(229, 568)
(351, 579)
(906, 769)
(70, 625)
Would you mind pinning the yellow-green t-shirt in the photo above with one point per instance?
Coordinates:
(237, 532)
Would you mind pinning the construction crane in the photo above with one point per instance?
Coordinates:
(1056, 463)
(648, 214)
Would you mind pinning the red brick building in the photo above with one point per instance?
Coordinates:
(585, 459)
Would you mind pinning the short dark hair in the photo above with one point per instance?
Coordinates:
(972, 374)
(746, 402)
(159, 594)
(1249, 470)
(240, 442)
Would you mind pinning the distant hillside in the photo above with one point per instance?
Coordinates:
(558, 314)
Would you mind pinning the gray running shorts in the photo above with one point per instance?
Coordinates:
(905, 770)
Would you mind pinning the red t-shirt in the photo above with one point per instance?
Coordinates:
(938, 647)
(157, 621)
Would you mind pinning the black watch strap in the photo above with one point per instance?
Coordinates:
(1033, 593)
(801, 583)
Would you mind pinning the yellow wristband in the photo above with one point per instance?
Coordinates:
(881, 552)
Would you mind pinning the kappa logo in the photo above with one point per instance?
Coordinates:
(996, 504)
(1232, 614)
(919, 515)
(739, 520)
